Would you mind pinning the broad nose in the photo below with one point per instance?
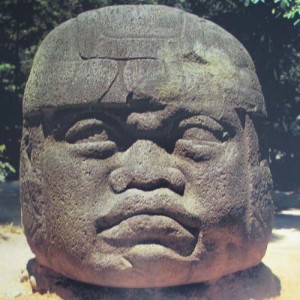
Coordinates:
(147, 167)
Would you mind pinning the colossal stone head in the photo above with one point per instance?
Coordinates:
(142, 163)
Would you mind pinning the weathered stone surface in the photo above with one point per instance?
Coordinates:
(252, 284)
(141, 164)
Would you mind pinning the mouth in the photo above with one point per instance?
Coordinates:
(151, 229)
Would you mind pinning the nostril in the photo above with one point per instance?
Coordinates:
(157, 184)
(124, 178)
(118, 181)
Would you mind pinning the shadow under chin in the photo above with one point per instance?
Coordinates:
(255, 283)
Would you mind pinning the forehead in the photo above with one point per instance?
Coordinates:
(109, 55)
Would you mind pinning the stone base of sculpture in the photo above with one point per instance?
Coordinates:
(255, 283)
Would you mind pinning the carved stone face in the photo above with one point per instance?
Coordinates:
(144, 169)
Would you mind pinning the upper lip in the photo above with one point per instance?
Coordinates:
(152, 229)
(136, 202)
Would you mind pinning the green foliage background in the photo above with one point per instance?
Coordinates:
(5, 167)
(268, 29)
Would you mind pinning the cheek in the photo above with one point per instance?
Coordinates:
(74, 187)
(61, 173)
(70, 179)
(71, 193)
(219, 186)
(70, 187)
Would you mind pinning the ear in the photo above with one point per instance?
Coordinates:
(260, 206)
(31, 195)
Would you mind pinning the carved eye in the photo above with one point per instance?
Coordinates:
(200, 134)
(86, 131)
(199, 144)
(90, 138)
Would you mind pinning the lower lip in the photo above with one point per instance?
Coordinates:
(154, 230)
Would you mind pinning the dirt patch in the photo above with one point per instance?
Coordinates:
(283, 255)
(14, 253)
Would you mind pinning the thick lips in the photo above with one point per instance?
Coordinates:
(152, 229)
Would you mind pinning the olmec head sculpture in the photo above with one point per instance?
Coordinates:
(141, 164)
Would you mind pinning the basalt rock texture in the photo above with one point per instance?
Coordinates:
(254, 283)
(142, 163)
